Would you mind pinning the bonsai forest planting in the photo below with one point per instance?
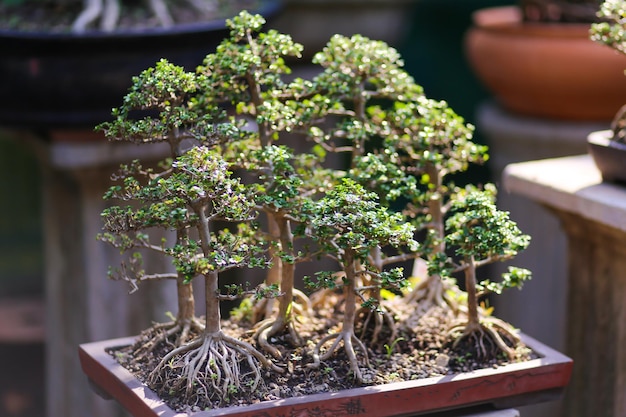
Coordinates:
(358, 259)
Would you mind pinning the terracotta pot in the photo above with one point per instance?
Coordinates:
(536, 380)
(550, 70)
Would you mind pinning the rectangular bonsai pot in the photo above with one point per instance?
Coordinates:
(513, 385)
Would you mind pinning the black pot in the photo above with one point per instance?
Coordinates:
(70, 80)
(609, 156)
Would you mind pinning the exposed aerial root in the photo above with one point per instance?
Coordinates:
(211, 368)
(348, 338)
(163, 332)
(204, 7)
(270, 328)
(267, 308)
(374, 323)
(108, 13)
(326, 299)
(302, 305)
(431, 290)
(434, 291)
(159, 8)
(488, 339)
(91, 12)
(284, 324)
(263, 309)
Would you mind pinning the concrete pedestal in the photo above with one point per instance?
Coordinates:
(593, 216)
(82, 304)
(539, 309)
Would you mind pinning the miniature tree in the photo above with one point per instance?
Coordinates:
(481, 234)
(173, 109)
(380, 174)
(432, 143)
(246, 73)
(358, 72)
(279, 195)
(203, 191)
(164, 95)
(348, 222)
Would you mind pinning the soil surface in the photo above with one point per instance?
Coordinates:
(422, 348)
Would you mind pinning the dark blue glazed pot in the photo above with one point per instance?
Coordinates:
(52, 80)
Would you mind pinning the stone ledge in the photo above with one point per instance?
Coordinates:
(572, 184)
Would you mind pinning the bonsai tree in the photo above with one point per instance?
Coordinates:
(236, 195)
(358, 74)
(246, 73)
(169, 96)
(197, 193)
(382, 175)
(348, 222)
(611, 32)
(165, 92)
(280, 195)
(481, 234)
(203, 191)
(431, 143)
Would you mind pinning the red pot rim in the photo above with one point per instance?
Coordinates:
(508, 19)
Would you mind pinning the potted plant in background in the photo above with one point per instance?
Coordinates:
(608, 148)
(69, 61)
(536, 58)
(226, 176)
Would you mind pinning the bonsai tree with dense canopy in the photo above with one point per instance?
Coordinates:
(279, 194)
(379, 174)
(246, 73)
(165, 95)
(481, 234)
(348, 222)
(197, 192)
(357, 74)
(203, 190)
(431, 143)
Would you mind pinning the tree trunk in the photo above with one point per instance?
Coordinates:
(212, 304)
(275, 272)
(349, 293)
(288, 269)
(435, 207)
(472, 296)
(211, 283)
(186, 302)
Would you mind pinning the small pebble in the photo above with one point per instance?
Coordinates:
(442, 360)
